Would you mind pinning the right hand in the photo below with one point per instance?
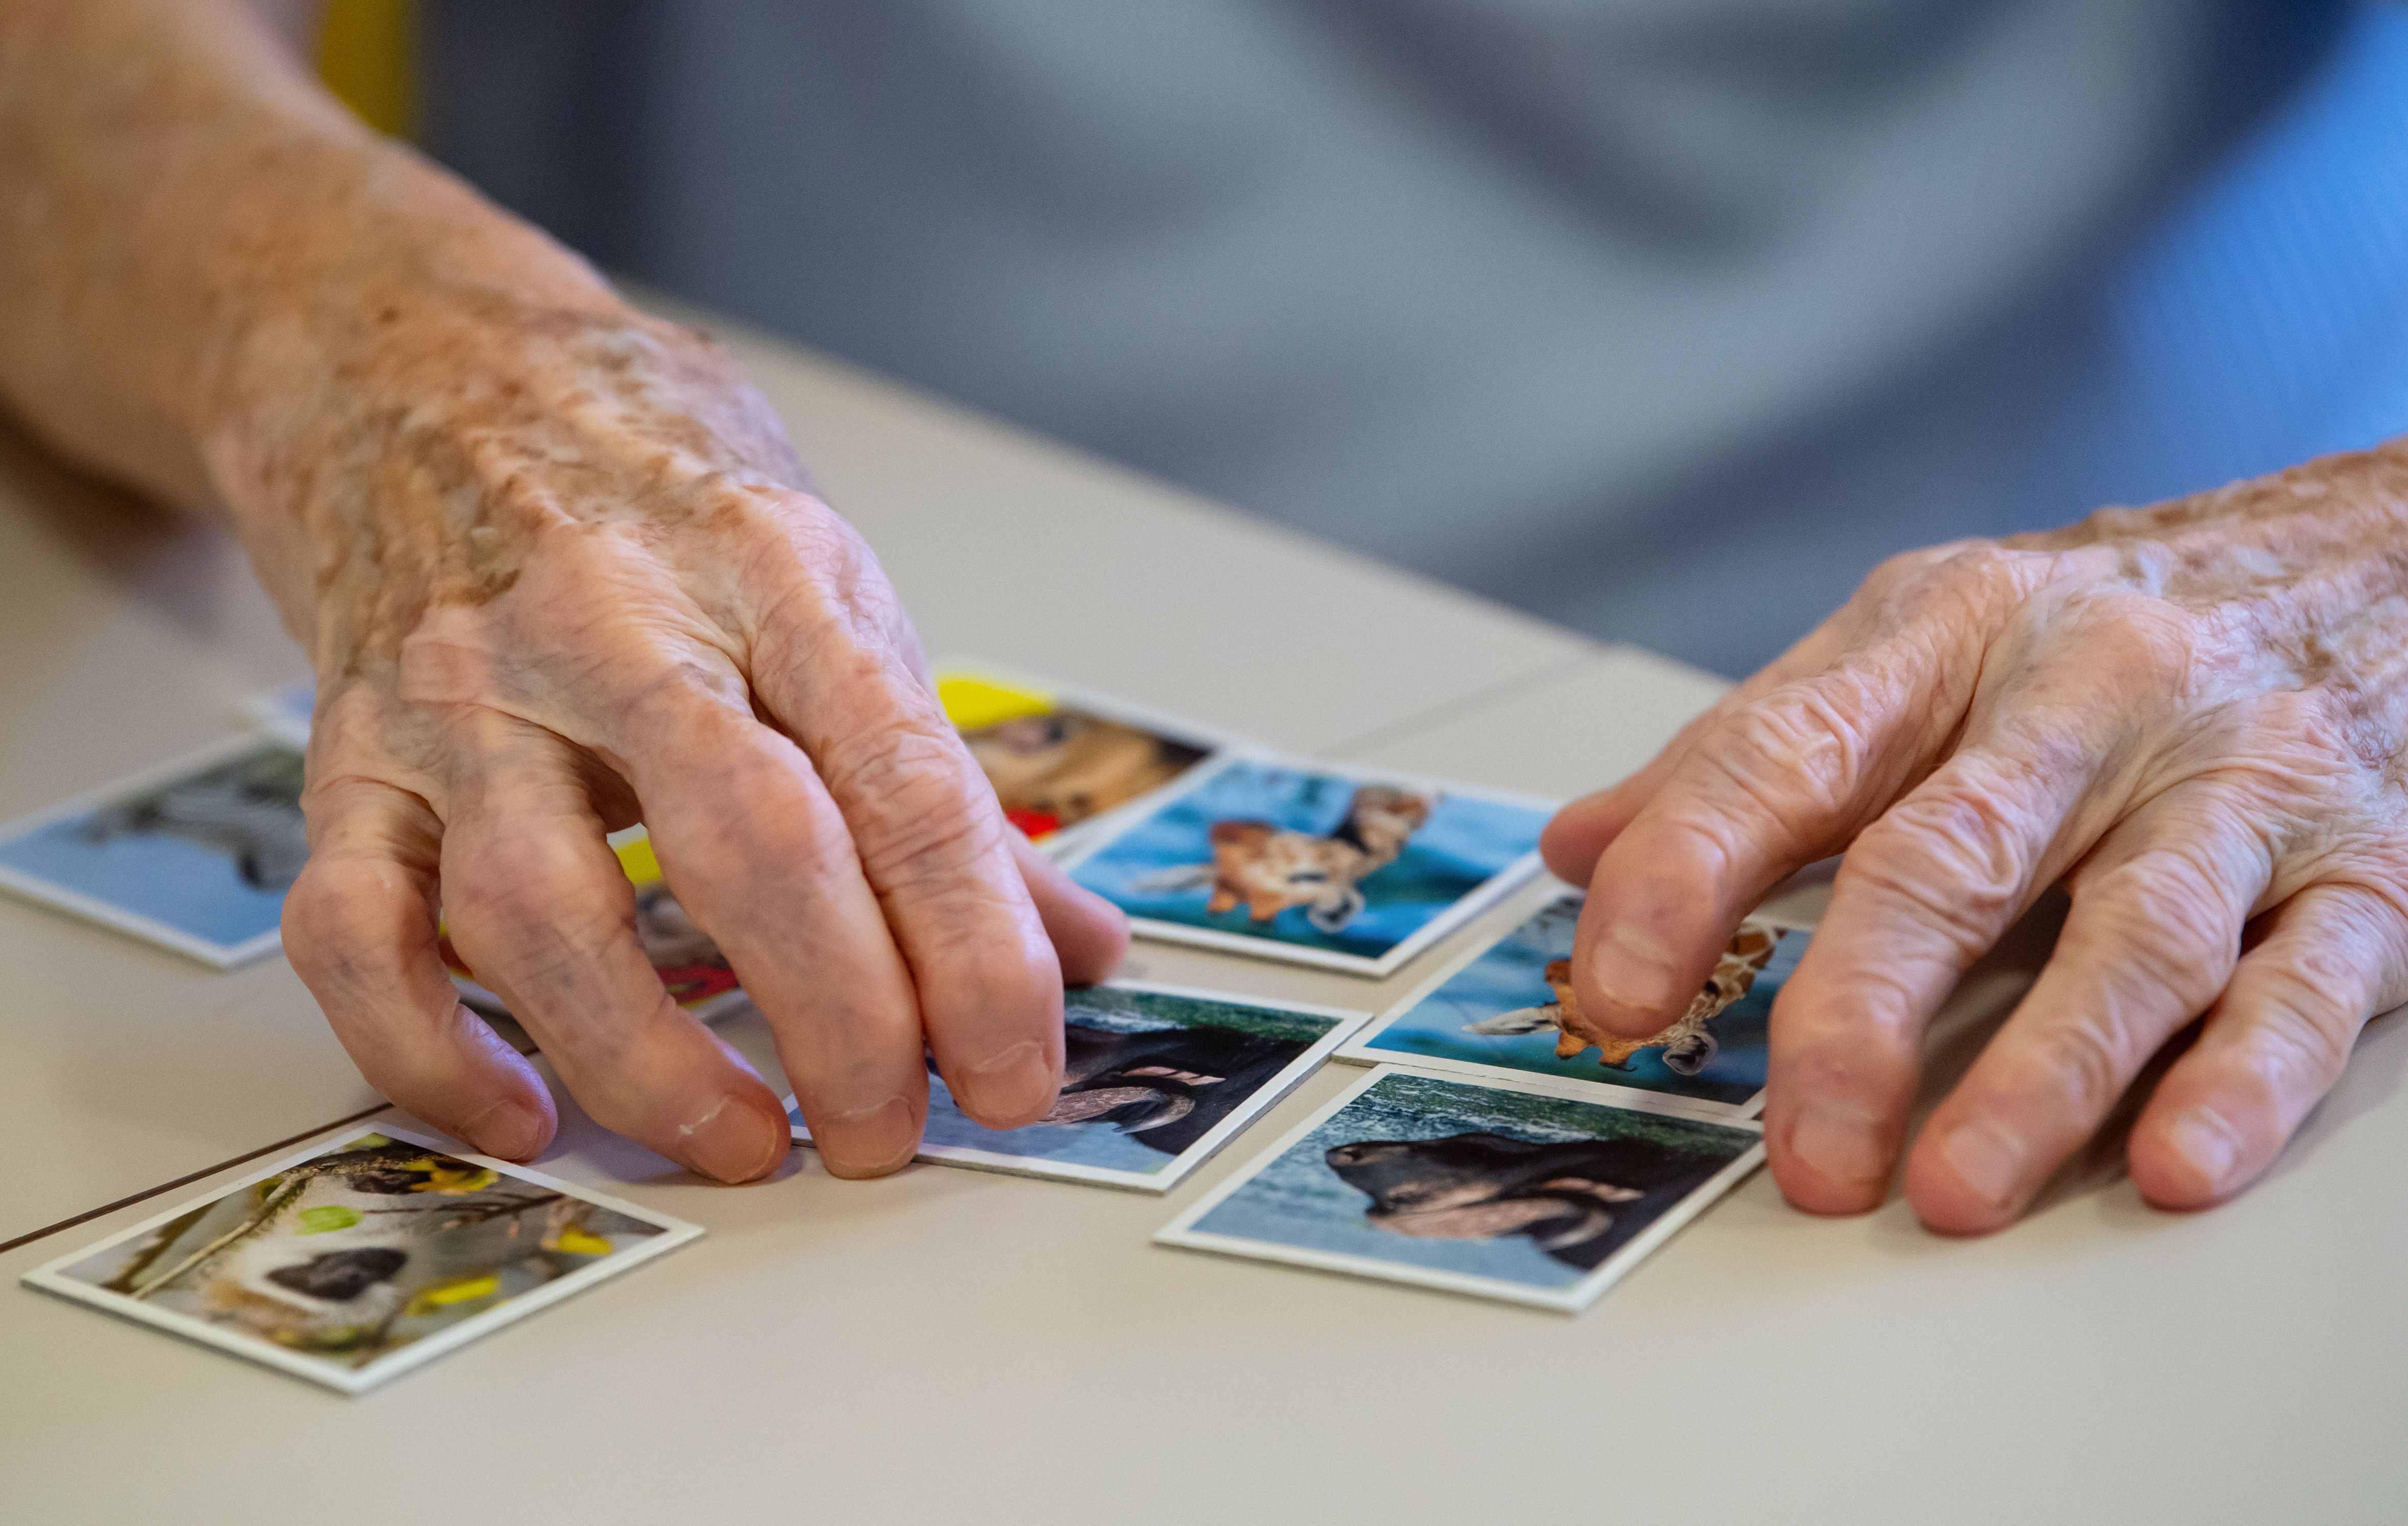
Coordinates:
(559, 570)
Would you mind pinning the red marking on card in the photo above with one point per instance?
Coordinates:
(1035, 825)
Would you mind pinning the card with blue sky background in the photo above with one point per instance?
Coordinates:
(195, 855)
(1516, 1193)
(1490, 1012)
(1317, 863)
(1157, 1079)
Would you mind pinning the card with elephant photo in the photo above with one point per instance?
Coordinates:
(1063, 760)
(1519, 1192)
(194, 856)
(350, 1264)
(1506, 1011)
(1158, 1079)
(1318, 864)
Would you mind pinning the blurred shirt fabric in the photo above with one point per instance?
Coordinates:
(1665, 319)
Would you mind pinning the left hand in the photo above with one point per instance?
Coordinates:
(2195, 716)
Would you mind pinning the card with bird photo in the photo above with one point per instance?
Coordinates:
(1506, 1010)
(1157, 1078)
(195, 855)
(351, 1264)
(1062, 759)
(1318, 864)
(1517, 1193)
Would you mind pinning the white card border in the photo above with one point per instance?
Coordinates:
(90, 908)
(1178, 1167)
(49, 1278)
(1181, 1232)
(264, 713)
(1356, 1049)
(1479, 899)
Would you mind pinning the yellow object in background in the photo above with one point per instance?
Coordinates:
(636, 858)
(974, 704)
(367, 55)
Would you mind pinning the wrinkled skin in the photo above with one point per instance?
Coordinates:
(2192, 716)
(563, 573)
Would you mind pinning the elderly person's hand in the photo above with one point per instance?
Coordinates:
(2192, 716)
(558, 570)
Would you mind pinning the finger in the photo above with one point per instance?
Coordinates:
(932, 841)
(360, 929)
(1777, 783)
(2151, 939)
(757, 853)
(1923, 893)
(2333, 956)
(1089, 933)
(538, 907)
(1584, 828)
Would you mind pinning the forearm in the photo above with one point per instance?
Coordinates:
(195, 233)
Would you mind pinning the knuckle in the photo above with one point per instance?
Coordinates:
(2088, 1062)
(915, 807)
(2301, 1037)
(1796, 755)
(1954, 850)
(2168, 923)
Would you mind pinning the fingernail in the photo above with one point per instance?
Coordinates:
(2202, 1137)
(875, 1140)
(1018, 1083)
(731, 1142)
(1634, 970)
(1843, 1143)
(1987, 1160)
(508, 1129)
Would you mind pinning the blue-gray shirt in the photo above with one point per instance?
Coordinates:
(1664, 318)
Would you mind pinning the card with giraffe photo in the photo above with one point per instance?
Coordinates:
(1318, 864)
(1505, 1010)
(1064, 761)
(1157, 1078)
(1513, 1192)
(195, 855)
(348, 1264)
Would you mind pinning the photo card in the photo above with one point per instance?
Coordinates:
(1318, 864)
(1505, 1010)
(349, 1264)
(1064, 758)
(1513, 1192)
(195, 855)
(1157, 1079)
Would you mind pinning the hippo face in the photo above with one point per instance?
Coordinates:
(1485, 1186)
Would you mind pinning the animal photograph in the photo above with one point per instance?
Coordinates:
(352, 1257)
(1155, 1079)
(200, 860)
(1055, 763)
(1466, 1183)
(1510, 1009)
(1315, 862)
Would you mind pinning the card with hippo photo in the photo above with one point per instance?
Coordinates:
(1516, 1192)
(1313, 862)
(351, 1264)
(1061, 759)
(1158, 1079)
(1507, 1011)
(195, 855)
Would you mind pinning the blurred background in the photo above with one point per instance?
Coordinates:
(1663, 319)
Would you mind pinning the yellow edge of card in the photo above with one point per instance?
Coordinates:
(973, 703)
(636, 858)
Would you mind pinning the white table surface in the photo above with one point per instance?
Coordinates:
(953, 1343)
